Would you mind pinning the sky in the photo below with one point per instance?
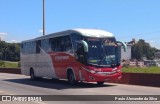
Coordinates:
(126, 19)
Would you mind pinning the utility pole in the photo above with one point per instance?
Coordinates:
(43, 17)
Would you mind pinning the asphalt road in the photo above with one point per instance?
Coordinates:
(14, 84)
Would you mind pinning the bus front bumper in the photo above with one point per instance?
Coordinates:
(98, 77)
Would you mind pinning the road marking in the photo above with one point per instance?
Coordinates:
(110, 94)
(39, 102)
(11, 94)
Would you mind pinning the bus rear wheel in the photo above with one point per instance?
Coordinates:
(100, 83)
(71, 78)
(32, 75)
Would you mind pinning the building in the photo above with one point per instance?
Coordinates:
(126, 55)
(157, 55)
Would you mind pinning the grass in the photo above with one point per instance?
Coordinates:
(153, 70)
(8, 64)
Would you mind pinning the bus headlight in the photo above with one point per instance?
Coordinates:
(92, 71)
(119, 70)
(88, 70)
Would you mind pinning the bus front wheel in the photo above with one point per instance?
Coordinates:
(100, 83)
(71, 78)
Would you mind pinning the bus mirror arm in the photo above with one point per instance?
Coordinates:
(124, 45)
(85, 45)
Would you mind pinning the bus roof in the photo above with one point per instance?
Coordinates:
(94, 32)
(84, 32)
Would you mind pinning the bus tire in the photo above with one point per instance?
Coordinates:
(100, 83)
(32, 75)
(71, 78)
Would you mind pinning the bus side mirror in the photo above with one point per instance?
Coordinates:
(118, 55)
(80, 53)
(85, 45)
(82, 49)
(123, 44)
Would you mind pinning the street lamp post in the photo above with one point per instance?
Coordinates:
(43, 17)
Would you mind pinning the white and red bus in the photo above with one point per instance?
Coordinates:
(90, 55)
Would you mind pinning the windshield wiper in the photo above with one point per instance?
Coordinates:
(99, 66)
(102, 58)
(112, 61)
(109, 59)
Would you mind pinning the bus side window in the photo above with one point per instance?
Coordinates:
(22, 46)
(60, 44)
(45, 45)
(75, 37)
(38, 45)
(54, 44)
(22, 49)
(68, 44)
(51, 40)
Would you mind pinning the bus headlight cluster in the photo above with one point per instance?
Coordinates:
(88, 70)
(119, 70)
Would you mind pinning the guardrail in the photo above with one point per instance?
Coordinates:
(127, 78)
(140, 79)
(10, 70)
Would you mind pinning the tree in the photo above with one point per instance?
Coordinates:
(143, 49)
(9, 51)
(137, 51)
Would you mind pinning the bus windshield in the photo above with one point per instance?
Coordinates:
(102, 51)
